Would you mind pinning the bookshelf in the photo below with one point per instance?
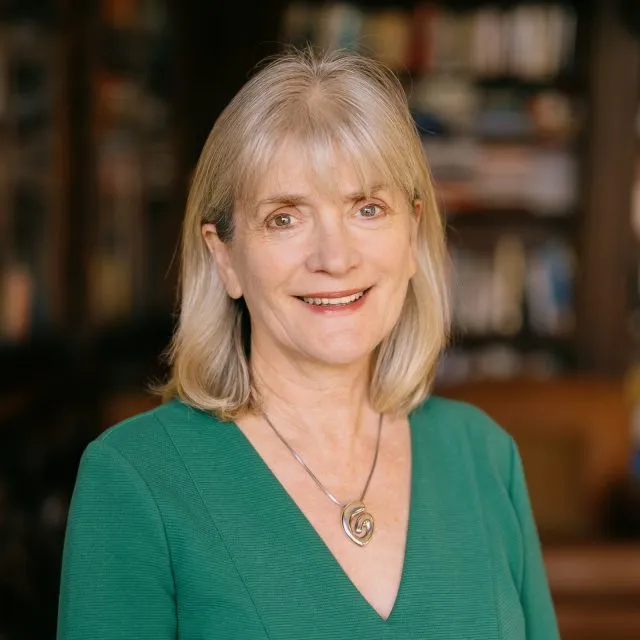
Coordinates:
(132, 165)
(513, 132)
(88, 172)
(502, 94)
(88, 222)
(31, 179)
(91, 186)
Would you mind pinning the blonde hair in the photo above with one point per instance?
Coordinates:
(321, 101)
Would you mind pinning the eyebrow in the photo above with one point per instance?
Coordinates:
(291, 199)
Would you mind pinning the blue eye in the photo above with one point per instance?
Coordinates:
(370, 211)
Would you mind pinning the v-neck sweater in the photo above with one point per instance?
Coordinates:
(178, 530)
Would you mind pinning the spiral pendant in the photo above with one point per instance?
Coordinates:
(357, 523)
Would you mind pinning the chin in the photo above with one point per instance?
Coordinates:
(340, 353)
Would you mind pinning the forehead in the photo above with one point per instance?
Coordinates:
(331, 170)
(321, 166)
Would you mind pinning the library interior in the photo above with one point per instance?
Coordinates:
(529, 113)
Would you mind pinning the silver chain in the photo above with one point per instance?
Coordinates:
(298, 457)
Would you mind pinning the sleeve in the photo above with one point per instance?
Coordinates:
(535, 596)
(116, 578)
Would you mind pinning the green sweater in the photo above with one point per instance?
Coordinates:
(178, 529)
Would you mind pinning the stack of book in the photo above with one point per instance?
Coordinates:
(499, 293)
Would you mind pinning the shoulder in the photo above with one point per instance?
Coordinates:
(459, 426)
(460, 419)
(150, 439)
(142, 429)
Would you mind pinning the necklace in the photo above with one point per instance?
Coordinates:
(357, 522)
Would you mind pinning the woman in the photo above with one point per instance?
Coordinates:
(300, 481)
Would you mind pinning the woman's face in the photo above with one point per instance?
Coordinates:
(324, 272)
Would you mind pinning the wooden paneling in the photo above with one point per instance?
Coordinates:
(574, 437)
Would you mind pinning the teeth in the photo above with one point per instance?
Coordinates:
(334, 301)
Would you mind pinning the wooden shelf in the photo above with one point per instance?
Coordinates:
(597, 569)
(523, 341)
(508, 215)
(596, 590)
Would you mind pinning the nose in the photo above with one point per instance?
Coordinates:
(334, 247)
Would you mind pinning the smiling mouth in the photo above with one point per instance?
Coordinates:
(334, 301)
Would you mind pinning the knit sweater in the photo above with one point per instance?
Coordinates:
(161, 540)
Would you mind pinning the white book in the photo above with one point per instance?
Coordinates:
(486, 51)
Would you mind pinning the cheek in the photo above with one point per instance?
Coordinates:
(263, 270)
(396, 255)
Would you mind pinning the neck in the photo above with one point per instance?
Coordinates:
(315, 405)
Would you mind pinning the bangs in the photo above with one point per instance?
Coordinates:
(322, 138)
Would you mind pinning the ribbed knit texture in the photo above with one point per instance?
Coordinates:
(161, 541)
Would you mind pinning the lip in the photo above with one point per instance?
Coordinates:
(334, 294)
(339, 309)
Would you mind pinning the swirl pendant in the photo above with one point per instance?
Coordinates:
(357, 523)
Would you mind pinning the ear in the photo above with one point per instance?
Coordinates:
(222, 256)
